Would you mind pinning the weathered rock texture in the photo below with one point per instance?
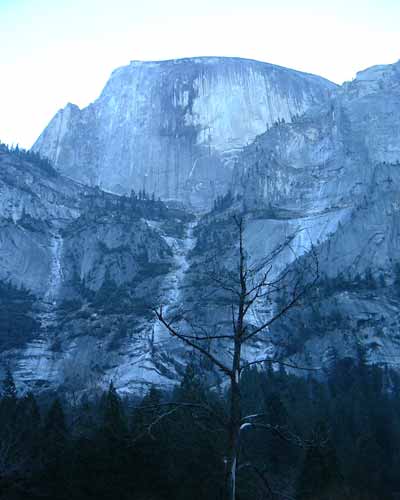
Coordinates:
(97, 262)
(176, 127)
(332, 179)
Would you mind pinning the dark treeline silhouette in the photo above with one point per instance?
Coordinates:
(109, 448)
(29, 155)
(98, 202)
(143, 195)
(222, 202)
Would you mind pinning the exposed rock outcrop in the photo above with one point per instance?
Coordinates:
(176, 127)
(96, 262)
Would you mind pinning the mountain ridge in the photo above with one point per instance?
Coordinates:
(175, 127)
(329, 179)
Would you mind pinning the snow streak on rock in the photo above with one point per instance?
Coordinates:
(56, 270)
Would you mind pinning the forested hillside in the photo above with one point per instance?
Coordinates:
(326, 441)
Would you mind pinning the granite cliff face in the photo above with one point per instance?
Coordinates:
(332, 179)
(333, 165)
(81, 269)
(176, 127)
(95, 263)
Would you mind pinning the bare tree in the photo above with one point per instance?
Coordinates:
(247, 284)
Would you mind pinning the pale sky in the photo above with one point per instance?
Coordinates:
(57, 51)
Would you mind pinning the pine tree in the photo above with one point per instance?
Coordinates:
(114, 423)
(369, 279)
(55, 429)
(28, 422)
(280, 451)
(55, 452)
(320, 478)
(8, 402)
(152, 450)
(197, 446)
(9, 390)
(191, 388)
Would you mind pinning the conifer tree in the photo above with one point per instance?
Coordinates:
(114, 423)
(8, 402)
(279, 450)
(55, 430)
(9, 391)
(55, 452)
(320, 478)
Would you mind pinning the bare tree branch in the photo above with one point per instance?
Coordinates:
(182, 404)
(246, 285)
(281, 363)
(189, 342)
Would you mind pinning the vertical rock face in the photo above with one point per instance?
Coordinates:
(96, 263)
(175, 128)
(332, 179)
(82, 269)
(331, 157)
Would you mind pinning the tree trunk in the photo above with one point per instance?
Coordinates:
(234, 438)
(235, 410)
